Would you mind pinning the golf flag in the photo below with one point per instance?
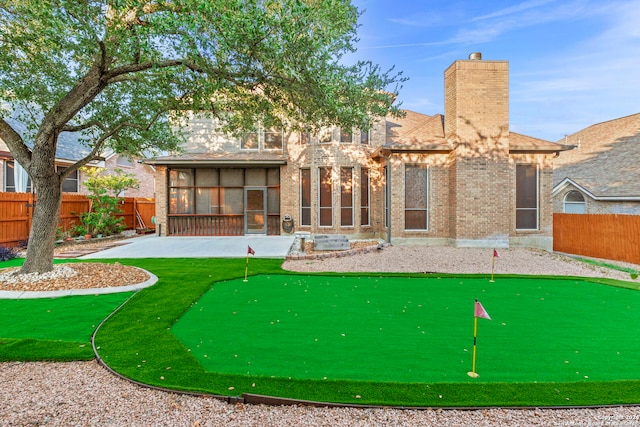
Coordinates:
(493, 263)
(478, 311)
(246, 264)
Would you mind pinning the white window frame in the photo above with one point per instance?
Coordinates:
(421, 209)
(565, 202)
(537, 208)
(352, 207)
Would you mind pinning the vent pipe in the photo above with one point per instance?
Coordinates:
(475, 56)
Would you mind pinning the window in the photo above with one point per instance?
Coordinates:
(364, 137)
(249, 141)
(10, 178)
(574, 203)
(526, 197)
(346, 197)
(364, 197)
(125, 161)
(386, 197)
(305, 196)
(305, 138)
(325, 136)
(268, 139)
(325, 203)
(181, 197)
(70, 184)
(273, 139)
(416, 197)
(346, 136)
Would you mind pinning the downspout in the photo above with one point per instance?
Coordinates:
(388, 197)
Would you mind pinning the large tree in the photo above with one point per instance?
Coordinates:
(121, 73)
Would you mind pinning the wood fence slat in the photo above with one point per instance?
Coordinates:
(16, 212)
(607, 236)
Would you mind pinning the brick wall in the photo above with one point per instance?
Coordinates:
(477, 124)
(335, 155)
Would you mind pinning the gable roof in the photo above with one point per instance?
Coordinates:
(420, 132)
(605, 159)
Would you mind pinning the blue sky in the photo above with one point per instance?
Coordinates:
(572, 63)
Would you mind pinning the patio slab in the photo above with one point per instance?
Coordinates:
(198, 247)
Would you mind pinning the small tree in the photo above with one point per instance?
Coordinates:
(105, 190)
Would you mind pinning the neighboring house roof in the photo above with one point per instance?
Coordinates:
(604, 162)
(69, 147)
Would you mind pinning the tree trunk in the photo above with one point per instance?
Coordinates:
(42, 238)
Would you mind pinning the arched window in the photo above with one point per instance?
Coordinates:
(574, 203)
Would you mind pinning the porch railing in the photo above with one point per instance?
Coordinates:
(215, 225)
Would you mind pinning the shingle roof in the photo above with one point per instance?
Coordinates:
(420, 131)
(605, 158)
(69, 146)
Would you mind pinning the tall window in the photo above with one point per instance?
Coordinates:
(346, 197)
(365, 185)
(364, 137)
(325, 204)
(305, 196)
(416, 197)
(305, 138)
(386, 197)
(9, 178)
(574, 203)
(70, 184)
(526, 197)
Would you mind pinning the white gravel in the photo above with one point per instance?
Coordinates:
(85, 394)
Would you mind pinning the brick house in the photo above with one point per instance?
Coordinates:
(460, 179)
(600, 175)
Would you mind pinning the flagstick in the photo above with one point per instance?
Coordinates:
(473, 373)
(493, 263)
(246, 268)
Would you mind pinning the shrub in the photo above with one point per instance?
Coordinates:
(7, 253)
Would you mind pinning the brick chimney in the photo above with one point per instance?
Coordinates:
(477, 125)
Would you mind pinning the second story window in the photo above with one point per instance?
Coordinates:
(325, 136)
(364, 137)
(272, 139)
(249, 141)
(267, 139)
(346, 136)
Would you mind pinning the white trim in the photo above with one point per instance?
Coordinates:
(568, 181)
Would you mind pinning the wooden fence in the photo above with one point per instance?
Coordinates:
(16, 214)
(606, 236)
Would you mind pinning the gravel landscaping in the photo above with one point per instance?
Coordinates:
(85, 394)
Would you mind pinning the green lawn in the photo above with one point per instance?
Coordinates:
(403, 329)
(390, 339)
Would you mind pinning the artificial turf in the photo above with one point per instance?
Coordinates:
(140, 340)
(538, 326)
(403, 329)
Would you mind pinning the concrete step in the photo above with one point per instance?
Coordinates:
(331, 242)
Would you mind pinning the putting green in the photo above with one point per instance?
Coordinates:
(415, 330)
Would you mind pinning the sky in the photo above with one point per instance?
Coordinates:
(572, 63)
